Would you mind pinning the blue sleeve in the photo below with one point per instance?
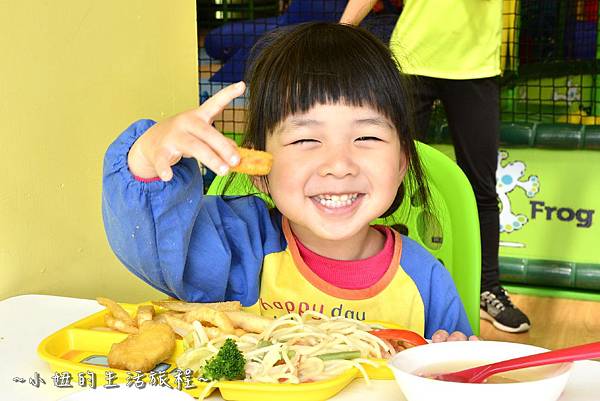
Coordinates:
(189, 246)
(443, 306)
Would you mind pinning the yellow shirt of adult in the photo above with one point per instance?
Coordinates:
(452, 39)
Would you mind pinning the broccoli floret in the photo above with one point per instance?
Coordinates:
(229, 363)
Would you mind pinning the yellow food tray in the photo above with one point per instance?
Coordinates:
(81, 349)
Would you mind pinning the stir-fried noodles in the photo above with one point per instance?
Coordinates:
(294, 348)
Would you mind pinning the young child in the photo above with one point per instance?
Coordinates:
(328, 102)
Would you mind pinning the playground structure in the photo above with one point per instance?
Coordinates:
(551, 62)
(231, 42)
(548, 174)
(225, 50)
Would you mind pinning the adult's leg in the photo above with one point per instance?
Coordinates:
(472, 109)
(424, 93)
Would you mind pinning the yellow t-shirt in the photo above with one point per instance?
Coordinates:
(288, 285)
(452, 39)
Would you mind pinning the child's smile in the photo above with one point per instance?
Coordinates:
(335, 169)
(336, 201)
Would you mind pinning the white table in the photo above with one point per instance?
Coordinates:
(27, 319)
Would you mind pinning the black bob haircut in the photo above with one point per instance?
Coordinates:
(294, 68)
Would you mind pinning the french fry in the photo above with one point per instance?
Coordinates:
(239, 332)
(254, 162)
(182, 306)
(119, 325)
(249, 322)
(179, 326)
(213, 332)
(144, 313)
(116, 310)
(214, 317)
(162, 317)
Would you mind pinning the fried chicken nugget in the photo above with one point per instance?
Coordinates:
(254, 162)
(154, 343)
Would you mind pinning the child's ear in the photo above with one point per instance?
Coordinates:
(403, 164)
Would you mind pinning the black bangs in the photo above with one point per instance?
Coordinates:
(298, 67)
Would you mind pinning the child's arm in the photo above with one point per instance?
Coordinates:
(446, 311)
(443, 307)
(190, 246)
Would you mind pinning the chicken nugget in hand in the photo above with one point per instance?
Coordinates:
(154, 343)
(253, 162)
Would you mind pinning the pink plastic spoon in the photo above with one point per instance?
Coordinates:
(480, 373)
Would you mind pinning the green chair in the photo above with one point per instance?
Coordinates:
(450, 232)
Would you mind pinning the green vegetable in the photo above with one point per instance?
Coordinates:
(339, 355)
(263, 343)
(228, 364)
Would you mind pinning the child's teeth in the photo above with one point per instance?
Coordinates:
(336, 201)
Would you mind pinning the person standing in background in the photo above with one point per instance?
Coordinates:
(453, 47)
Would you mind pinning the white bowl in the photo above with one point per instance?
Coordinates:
(548, 385)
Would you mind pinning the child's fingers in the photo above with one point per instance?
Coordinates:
(232, 142)
(223, 147)
(439, 336)
(187, 146)
(201, 151)
(163, 160)
(217, 103)
(457, 336)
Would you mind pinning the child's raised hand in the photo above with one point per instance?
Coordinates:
(441, 336)
(188, 134)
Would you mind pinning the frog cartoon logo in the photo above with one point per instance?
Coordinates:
(508, 178)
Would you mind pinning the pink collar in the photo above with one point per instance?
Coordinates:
(351, 274)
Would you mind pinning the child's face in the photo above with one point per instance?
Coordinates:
(335, 169)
